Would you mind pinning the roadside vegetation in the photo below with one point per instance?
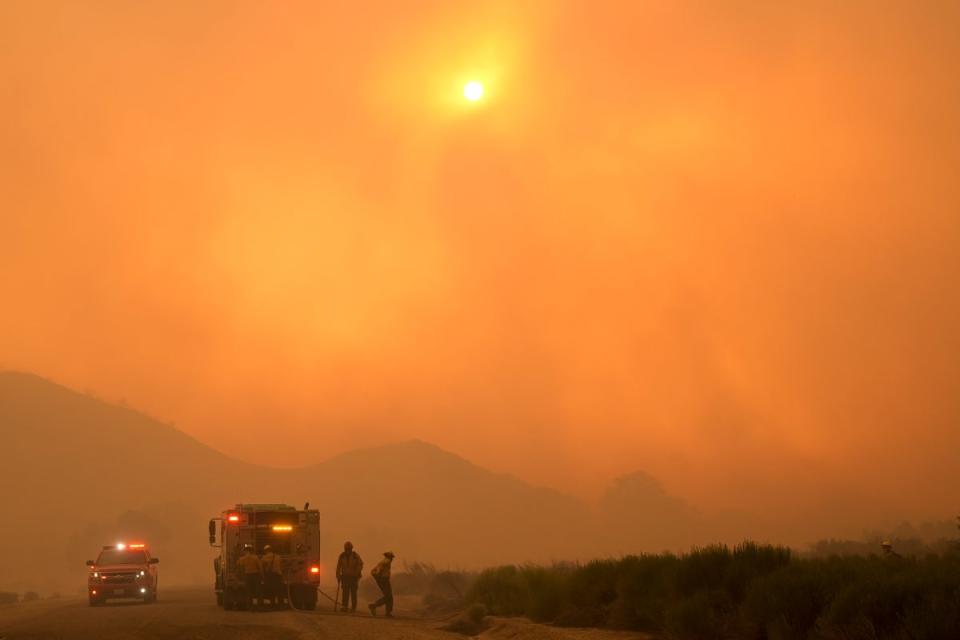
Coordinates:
(749, 591)
(440, 591)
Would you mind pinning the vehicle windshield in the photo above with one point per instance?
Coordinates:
(122, 556)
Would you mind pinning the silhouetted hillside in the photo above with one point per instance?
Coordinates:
(73, 465)
(637, 513)
(440, 507)
(72, 448)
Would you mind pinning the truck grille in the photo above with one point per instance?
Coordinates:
(118, 577)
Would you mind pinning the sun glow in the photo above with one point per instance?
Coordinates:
(473, 91)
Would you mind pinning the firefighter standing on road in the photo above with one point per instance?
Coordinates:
(381, 573)
(349, 570)
(250, 565)
(272, 566)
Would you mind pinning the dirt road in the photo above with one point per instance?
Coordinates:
(190, 614)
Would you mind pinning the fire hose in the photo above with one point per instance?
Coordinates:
(319, 590)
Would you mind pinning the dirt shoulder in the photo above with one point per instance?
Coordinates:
(523, 629)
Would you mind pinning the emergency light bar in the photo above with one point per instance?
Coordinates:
(120, 546)
(283, 527)
(233, 518)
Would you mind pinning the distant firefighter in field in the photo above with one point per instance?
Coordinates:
(349, 570)
(381, 573)
(888, 551)
(272, 566)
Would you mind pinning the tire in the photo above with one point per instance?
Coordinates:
(310, 599)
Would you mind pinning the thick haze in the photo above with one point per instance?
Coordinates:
(716, 242)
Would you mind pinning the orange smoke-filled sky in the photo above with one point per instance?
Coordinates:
(716, 241)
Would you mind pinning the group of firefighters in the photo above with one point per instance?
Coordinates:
(263, 577)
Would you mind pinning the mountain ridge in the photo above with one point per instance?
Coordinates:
(23, 380)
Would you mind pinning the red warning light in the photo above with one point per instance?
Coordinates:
(233, 518)
(314, 569)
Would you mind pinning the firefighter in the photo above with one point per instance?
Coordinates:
(349, 570)
(381, 573)
(272, 566)
(887, 547)
(252, 570)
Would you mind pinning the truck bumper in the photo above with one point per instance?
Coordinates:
(104, 592)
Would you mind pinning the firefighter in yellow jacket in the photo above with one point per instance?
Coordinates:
(381, 573)
(252, 571)
(272, 566)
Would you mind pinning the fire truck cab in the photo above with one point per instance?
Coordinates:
(293, 534)
(122, 570)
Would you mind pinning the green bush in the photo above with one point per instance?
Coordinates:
(476, 613)
(471, 623)
(786, 604)
(446, 589)
(899, 598)
(706, 615)
(749, 591)
(502, 590)
(440, 589)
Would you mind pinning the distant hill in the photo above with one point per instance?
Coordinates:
(637, 509)
(442, 508)
(73, 465)
(73, 451)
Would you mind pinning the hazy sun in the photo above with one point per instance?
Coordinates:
(473, 91)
